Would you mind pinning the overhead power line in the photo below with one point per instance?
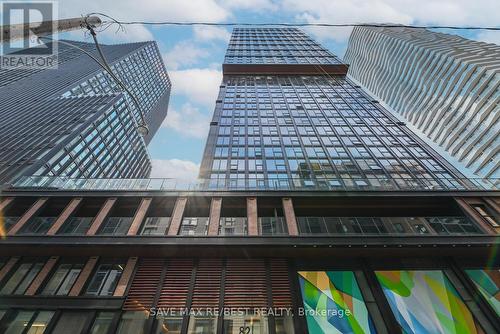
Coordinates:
(235, 24)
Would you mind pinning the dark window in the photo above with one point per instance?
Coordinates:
(71, 322)
(202, 323)
(452, 225)
(62, 279)
(487, 214)
(76, 226)
(195, 226)
(312, 225)
(102, 322)
(155, 226)
(115, 226)
(22, 277)
(105, 278)
(272, 226)
(31, 322)
(37, 225)
(8, 222)
(233, 226)
(133, 322)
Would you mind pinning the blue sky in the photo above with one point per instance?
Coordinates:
(193, 55)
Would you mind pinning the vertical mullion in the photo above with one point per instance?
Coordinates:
(298, 321)
(391, 323)
(477, 296)
(371, 304)
(31, 321)
(189, 301)
(158, 292)
(113, 327)
(89, 322)
(220, 318)
(269, 292)
(53, 321)
(474, 301)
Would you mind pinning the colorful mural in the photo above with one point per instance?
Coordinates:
(424, 301)
(487, 282)
(333, 303)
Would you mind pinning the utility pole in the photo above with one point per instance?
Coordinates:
(23, 30)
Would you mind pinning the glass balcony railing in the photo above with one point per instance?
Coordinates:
(289, 184)
(439, 225)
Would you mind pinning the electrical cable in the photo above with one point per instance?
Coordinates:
(120, 83)
(76, 47)
(232, 24)
(110, 72)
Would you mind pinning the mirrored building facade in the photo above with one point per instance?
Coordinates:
(74, 121)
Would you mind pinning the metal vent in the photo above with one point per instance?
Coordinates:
(245, 284)
(280, 284)
(175, 286)
(142, 292)
(207, 283)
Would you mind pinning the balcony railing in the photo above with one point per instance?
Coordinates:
(339, 184)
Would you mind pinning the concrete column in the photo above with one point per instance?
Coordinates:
(475, 216)
(68, 211)
(213, 223)
(103, 213)
(176, 220)
(8, 267)
(6, 203)
(252, 216)
(122, 285)
(35, 208)
(42, 275)
(83, 277)
(139, 216)
(291, 221)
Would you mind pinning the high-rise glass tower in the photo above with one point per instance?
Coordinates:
(447, 87)
(291, 235)
(75, 121)
(286, 115)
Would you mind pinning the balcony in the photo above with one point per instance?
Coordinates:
(338, 184)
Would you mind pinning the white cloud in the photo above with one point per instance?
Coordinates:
(151, 10)
(489, 36)
(184, 53)
(200, 85)
(144, 10)
(253, 5)
(208, 33)
(188, 121)
(175, 168)
(443, 12)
